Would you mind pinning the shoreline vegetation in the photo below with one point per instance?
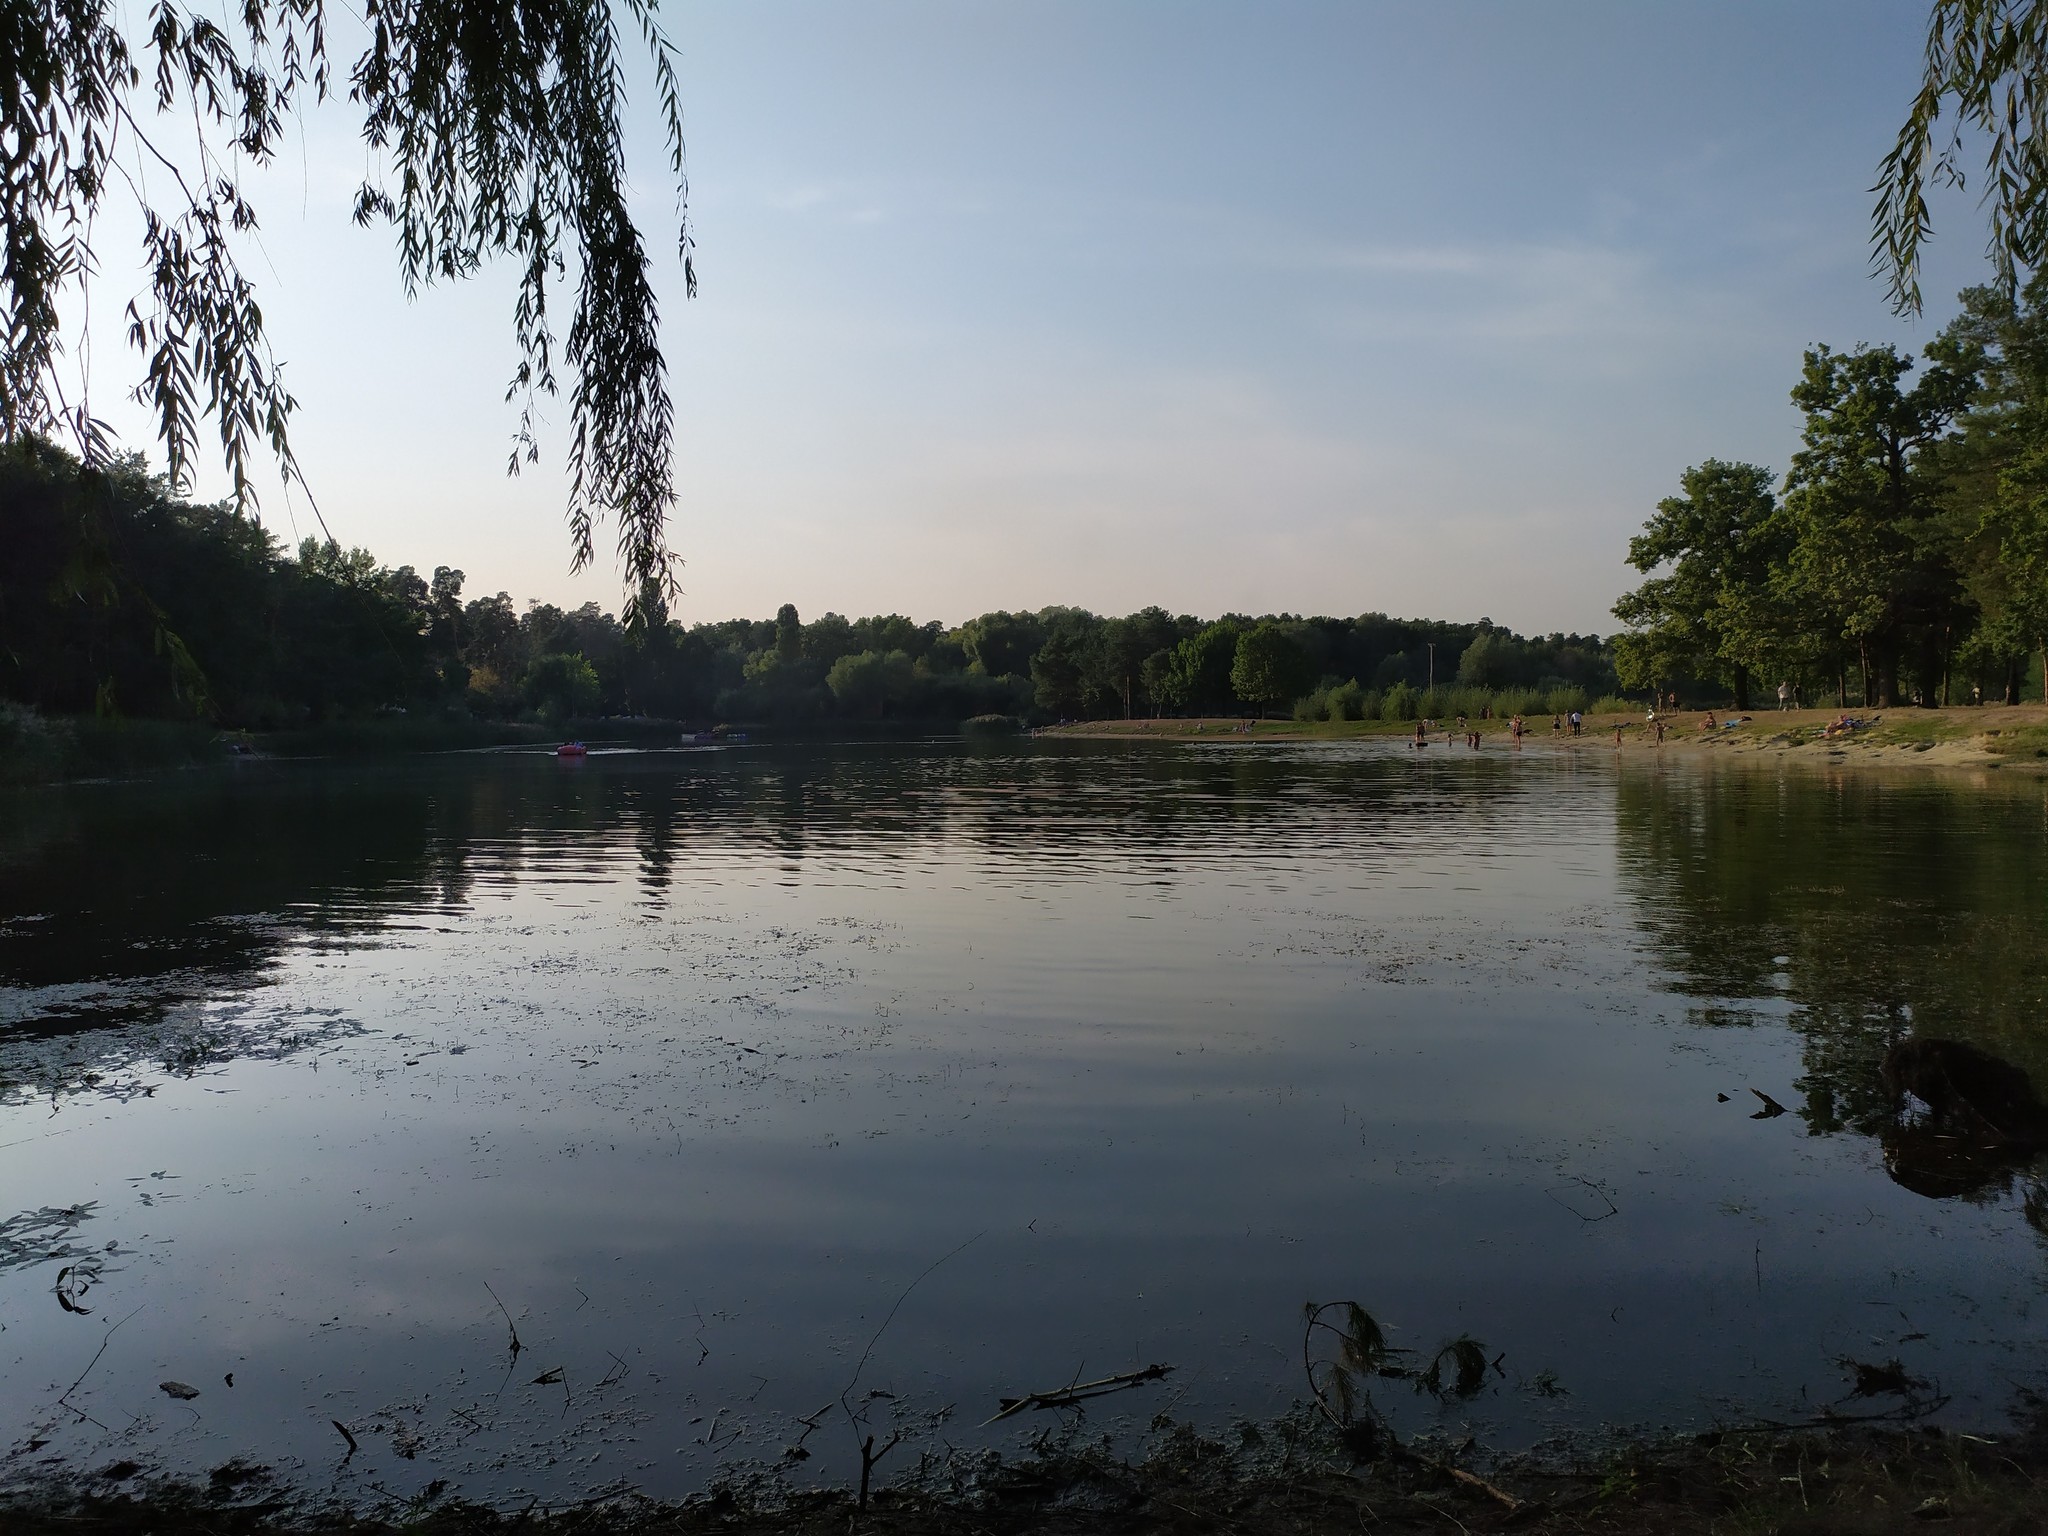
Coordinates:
(1980, 737)
(39, 750)
(1280, 1478)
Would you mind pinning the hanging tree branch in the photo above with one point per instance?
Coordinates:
(496, 125)
(1989, 60)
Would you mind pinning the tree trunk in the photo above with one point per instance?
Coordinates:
(2012, 682)
(1841, 688)
(1741, 688)
(1863, 661)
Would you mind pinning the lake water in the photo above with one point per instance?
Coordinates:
(697, 1068)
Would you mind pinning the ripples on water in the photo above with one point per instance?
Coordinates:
(698, 1060)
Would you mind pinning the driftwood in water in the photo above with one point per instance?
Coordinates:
(1080, 1391)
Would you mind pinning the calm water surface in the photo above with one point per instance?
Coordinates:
(691, 1066)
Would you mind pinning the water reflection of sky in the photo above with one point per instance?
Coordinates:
(698, 1060)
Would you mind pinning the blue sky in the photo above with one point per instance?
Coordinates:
(1276, 306)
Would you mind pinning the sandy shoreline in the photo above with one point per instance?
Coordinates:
(2011, 738)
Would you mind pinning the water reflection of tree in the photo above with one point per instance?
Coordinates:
(1876, 908)
(161, 895)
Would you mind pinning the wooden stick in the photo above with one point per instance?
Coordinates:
(1061, 1397)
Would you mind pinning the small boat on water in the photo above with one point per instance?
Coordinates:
(572, 749)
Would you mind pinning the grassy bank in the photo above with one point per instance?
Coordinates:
(1284, 1479)
(1994, 736)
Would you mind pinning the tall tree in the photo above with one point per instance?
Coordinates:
(1861, 501)
(1269, 667)
(1996, 471)
(1057, 674)
(1715, 543)
(1203, 662)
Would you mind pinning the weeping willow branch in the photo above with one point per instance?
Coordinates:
(1988, 60)
(495, 132)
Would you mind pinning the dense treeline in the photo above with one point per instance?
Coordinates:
(117, 598)
(1905, 555)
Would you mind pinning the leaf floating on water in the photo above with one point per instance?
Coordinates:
(548, 1378)
(179, 1390)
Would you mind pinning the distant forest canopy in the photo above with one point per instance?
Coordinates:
(117, 598)
(1903, 559)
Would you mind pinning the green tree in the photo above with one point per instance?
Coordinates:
(872, 682)
(1716, 545)
(789, 635)
(1002, 644)
(1269, 667)
(1204, 661)
(1861, 502)
(1162, 681)
(561, 685)
(1056, 675)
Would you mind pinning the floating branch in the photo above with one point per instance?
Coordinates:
(1079, 1392)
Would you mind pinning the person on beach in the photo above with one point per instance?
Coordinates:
(1578, 723)
(1660, 733)
(1784, 695)
(1556, 726)
(1617, 736)
(1709, 723)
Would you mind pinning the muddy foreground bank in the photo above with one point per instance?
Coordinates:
(1842, 1480)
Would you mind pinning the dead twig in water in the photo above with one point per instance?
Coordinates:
(857, 1420)
(869, 1351)
(511, 1326)
(351, 1439)
(870, 1458)
(1605, 1199)
(1064, 1397)
(65, 1402)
